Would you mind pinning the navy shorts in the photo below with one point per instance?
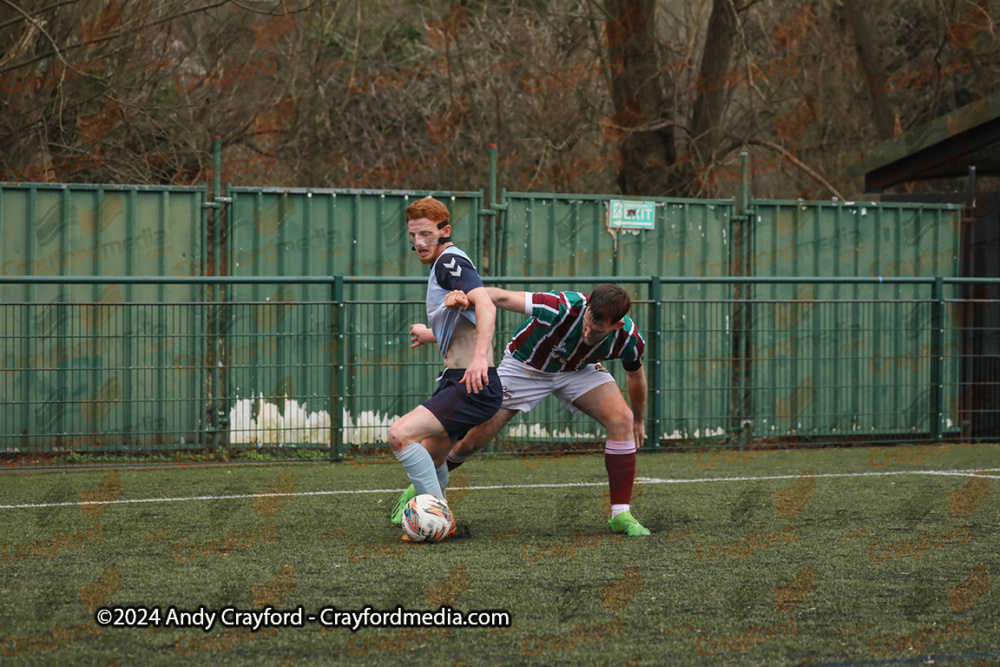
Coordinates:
(457, 409)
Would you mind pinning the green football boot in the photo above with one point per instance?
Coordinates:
(624, 522)
(397, 509)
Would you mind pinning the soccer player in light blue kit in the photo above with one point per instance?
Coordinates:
(469, 390)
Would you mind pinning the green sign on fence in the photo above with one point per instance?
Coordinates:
(632, 214)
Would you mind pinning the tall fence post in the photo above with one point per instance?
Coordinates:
(219, 342)
(937, 358)
(743, 309)
(491, 211)
(655, 294)
(338, 379)
(488, 213)
(214, 342)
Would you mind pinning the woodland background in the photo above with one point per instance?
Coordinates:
(614, 96)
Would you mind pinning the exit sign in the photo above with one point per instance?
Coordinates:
(632, 214)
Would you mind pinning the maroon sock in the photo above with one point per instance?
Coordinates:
(621, 475)
(453, 461)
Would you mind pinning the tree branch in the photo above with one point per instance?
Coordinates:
(26, 40)
(798, 163)
(38, 26)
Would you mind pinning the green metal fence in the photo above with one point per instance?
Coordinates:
(570, 235)
(856, 366)
(732, 359)
(149, 384)
(55, 334)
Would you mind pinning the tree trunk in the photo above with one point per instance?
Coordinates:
(638, 98)
(710, 105)
(872, 66)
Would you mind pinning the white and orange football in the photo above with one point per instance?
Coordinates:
(427, 518)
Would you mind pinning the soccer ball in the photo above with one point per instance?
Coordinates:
(427, 518)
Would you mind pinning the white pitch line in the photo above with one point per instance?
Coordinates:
(644, 480)
(960, 473)
(275, 495)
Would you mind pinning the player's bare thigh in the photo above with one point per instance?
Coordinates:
(478, 437)
(417, 425)
(606, 404)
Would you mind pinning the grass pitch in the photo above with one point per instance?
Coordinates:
(862, 556)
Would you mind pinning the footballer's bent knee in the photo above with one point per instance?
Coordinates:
(620, 428)
(398, 437)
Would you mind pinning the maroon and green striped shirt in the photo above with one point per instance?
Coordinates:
(552, 340)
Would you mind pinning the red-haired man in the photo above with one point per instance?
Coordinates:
(469, 390)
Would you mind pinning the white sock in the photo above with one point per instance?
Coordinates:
(618, 509)
(420, 469)
(442, 473)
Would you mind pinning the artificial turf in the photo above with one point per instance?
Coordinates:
(833, 556)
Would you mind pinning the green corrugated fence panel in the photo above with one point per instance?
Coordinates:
(68, 363)
(327, 232)
(568, 235)
(78, 230)
(804, 374)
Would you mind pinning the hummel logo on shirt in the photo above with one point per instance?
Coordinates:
(457, 272)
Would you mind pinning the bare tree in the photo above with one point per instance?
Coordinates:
(639, 96)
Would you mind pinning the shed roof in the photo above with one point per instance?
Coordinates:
(943, 148)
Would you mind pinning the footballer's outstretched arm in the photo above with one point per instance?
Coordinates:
(515, 302)
(635, 384)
